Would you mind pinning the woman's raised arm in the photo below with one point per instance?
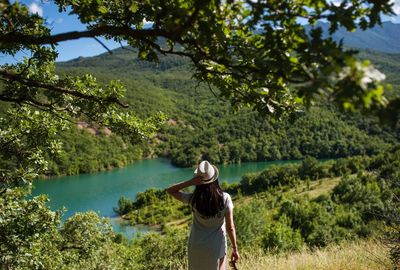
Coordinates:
(175, 190)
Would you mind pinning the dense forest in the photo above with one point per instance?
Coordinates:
(202, 126)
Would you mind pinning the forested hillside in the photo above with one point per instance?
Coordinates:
(202, 126)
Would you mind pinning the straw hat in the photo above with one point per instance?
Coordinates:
(207, 171)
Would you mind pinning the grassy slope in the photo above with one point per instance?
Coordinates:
(346, 256)
(362, 255)
(358, 255)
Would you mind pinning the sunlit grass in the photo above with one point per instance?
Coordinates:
(318, 187)
(347, 256)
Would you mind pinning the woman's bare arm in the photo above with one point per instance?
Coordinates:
(175, 190)
(231, 230)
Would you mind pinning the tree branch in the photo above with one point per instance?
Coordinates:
(18, 38)
(65, 247)
(104, 45)
(33, 83)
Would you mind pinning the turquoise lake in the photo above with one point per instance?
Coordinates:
(101, 191)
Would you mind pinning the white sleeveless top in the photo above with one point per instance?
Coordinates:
(207, 240)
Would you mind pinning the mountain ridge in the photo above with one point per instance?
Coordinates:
(385, 38)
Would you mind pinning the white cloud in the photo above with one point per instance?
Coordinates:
(396, 6)
(35, 8)
(337, 2)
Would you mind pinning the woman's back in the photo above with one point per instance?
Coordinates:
(212, 212)
(207, 240)
(210, 222)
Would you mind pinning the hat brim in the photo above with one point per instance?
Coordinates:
(212, 179)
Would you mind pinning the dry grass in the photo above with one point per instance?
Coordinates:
(319, 187)
(348, 256)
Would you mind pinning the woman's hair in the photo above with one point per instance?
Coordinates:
(208, 199)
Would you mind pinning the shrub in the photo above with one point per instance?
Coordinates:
(279, 236)
(250, 222)
(156, 251)
(125, 205)
(362, 193)
(309, 168)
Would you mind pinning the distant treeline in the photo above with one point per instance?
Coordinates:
(221, 137)
(84, 152)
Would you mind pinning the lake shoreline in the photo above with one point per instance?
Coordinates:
(100, 192)
(55, 176)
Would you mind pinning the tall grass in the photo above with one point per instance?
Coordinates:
(347, 256)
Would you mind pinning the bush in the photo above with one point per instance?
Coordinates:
(362, 193)
(250, 222)
(279, 236)
(309, 168)
(340, 168)
(269, 178)
(163, 252)
(125, 205)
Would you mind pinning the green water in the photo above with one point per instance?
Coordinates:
(100, 191)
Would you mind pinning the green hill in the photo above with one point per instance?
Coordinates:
(202, 126)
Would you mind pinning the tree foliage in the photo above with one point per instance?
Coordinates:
(253, 51)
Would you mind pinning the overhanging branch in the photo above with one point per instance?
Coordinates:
(18, 38)
(34, 83)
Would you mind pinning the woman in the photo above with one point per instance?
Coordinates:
(212, 217)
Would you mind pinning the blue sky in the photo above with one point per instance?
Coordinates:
(59, 23)
(64, 22)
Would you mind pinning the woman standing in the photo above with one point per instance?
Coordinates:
(212, 218)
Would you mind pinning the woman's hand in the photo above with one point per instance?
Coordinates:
(235, 255)
(197, 180)
(175, 190)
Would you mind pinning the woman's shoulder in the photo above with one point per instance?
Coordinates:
(226, 194)
(227, 200)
